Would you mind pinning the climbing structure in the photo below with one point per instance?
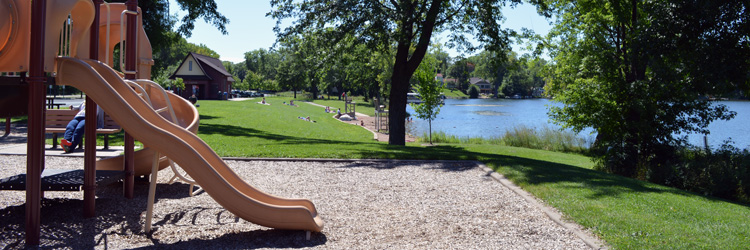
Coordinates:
(66, 39)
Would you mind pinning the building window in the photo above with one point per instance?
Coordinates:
(190, 65)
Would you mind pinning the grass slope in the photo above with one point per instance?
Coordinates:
(452, 93)
(249, 129)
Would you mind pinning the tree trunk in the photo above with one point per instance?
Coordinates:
(430, 130)
(404, 66)
(397, 115)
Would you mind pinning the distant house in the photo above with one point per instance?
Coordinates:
(439, 78)
(484, 86)
(204, 76)
(537, 92)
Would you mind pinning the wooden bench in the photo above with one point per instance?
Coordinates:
(57, 119)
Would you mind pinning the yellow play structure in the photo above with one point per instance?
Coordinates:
(165, 123)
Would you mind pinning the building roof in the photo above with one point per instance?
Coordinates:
(213, 63)
(475, 80)
(206, 62)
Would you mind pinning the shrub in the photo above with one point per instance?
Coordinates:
(723, 173)
(473, 92)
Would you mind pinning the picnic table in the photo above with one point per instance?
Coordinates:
(51, 103)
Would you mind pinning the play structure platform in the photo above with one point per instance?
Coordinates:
(74, 41)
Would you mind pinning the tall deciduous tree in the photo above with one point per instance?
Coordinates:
(409, 24)
(306, 58)
(461, 70)
(635, 71)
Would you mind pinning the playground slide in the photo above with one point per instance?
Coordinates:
(187, 117)
(109, 91)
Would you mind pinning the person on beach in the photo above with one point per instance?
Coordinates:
(75, 129)
(338, 114)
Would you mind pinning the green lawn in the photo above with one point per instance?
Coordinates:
(455, 94)
(361, 106)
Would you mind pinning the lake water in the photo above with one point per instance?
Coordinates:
(489, 118)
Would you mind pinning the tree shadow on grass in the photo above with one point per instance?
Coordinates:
(600, 185)
(237, 132)
(207, 117)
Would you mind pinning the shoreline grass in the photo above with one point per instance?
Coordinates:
(545, 138)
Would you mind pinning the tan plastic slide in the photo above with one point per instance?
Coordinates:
(112, 94)
(187, 117)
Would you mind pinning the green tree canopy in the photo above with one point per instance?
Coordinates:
(635, 71)
(263, 62)
(159, 23)
(461, 70)
(409, 24)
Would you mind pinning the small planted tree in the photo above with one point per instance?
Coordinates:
(429, 91)
(178, 84)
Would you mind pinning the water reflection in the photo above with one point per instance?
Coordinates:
(489, 112)
(478, 105)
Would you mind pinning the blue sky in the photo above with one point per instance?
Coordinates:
(249, 28)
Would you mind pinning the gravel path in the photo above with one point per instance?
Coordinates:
(365, 205)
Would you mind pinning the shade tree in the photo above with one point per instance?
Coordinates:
(635, 72)
(406, 24)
